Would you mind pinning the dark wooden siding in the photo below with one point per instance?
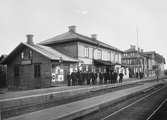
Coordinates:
(68, 48)
(26, 79)
(3, 73)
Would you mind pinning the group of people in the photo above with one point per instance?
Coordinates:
(137, 75)
(93, 78)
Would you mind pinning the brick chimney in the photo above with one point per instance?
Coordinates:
(30, 39)
(94, 36)
(133, 47)
(142, 50)
(72, 28)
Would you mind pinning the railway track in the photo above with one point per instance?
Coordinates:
(157, 112)
(141, 107)
(136, 102)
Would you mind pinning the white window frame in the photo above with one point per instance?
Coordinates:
(86, 52)
(99, 54)
(22, 55)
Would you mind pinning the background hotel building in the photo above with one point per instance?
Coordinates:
(136, 60)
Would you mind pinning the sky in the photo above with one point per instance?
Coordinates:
(114, 21)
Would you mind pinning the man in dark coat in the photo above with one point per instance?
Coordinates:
(115, 77)
(137, 74)
(120, 77)
(105, 78)
(82, 77)
(95, 77)
(112, 77)
(69, 79)
(92, 78)
(79, 78)
(140, 75)
(101, 77)
(108, 77)
(88, 78)
(74, 78)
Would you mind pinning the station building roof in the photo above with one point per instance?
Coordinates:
(48, 52)
(73, 35)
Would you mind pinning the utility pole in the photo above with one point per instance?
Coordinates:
(137, 44)
(137, 36)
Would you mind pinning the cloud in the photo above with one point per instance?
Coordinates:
(82, 12)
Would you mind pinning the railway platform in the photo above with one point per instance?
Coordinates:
(82, 107)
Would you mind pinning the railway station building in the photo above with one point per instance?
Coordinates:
(47, 63)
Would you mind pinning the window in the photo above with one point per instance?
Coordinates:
(26, 54)
(116, 57)
(120, 57)
(99, 55)
(108, 56)
(16, 70)
(86, 52)
(22, 55)
(130, 61)
(30, 54)
(37, 70)
(112, 56)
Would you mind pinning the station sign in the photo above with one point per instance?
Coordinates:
(26, 62)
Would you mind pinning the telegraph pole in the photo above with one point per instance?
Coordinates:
(137, 36)
(137, 44)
